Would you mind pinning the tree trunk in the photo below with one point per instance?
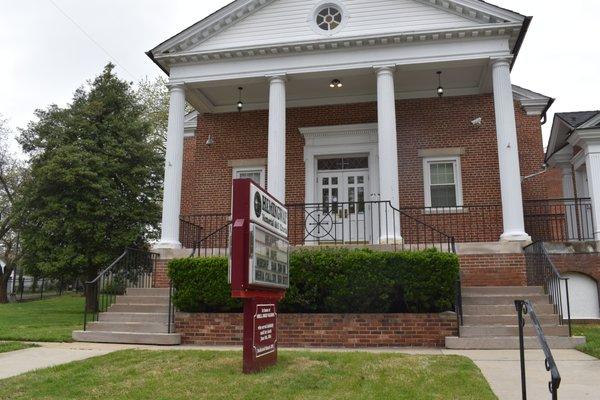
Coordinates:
(4, 281)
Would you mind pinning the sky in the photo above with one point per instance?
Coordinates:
(47, 56)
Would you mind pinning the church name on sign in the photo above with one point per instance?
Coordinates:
(267, 212)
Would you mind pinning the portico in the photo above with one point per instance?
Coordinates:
(474, 52)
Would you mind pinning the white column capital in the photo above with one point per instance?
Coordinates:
(502, 61)
(277, 78)
(175, 86)
(384, 69)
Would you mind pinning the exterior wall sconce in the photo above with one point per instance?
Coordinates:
(210, 141)
(440, 89)
(336, 84)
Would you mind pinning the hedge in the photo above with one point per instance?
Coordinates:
(331, 280)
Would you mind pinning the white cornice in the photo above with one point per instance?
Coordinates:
(509, 30)
(588, 139)
(312, 133)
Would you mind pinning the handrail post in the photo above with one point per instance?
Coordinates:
(519, 306)
(170, 306)
(568, 306)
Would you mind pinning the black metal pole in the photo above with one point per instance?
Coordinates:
(568, 307)
(519, 307)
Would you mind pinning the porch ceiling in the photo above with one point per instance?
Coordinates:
(359, 85)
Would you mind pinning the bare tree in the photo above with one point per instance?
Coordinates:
(12, 173)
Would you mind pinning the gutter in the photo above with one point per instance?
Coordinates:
(151, 56)
(520, 39)
(545, 112)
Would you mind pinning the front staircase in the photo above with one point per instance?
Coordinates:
(490, 320)
(139, 317)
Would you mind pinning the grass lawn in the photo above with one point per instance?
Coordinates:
(5, 347)
(134, 374)
(592, 334)
(49, 320)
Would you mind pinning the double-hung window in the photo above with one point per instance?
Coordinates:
(257, 174)
(442, 178)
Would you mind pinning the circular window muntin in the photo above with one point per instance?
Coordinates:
(338, 17)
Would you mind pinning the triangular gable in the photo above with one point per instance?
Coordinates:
(248, 23)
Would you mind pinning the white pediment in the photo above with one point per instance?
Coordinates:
(251, 24)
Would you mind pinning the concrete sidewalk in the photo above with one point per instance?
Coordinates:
(501, 368)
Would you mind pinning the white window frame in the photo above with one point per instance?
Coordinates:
(261, 168)
(427, 161)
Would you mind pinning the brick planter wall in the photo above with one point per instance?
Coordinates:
(493, 270)
(161, 279)
(325, 330)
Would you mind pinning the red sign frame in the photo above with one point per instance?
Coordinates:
(260, 302)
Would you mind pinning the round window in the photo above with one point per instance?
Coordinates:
(329, 18)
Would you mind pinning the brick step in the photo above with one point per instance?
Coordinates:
(112, 316)
(159, 300)
(510, 330)
(147, 292)
(503, 300)
(503, 309)
(503, 290)
(164, 339)
(511, 342)
(140, 308)
(549, 319)
(140, 327)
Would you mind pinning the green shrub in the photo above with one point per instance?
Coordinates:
(331, 280)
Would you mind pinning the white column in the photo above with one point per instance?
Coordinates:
(388, 154)
(276, 155)
(566, 169)
(508, 153)
(173, 170)
(592, 164)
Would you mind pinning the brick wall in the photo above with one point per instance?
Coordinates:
(493, 270)
(325, 330)
(161, 279)
(584, 263)
(422, 124)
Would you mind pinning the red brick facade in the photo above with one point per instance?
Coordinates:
(421, 124)
(161, 279)
(584, 263)
(325, 330)
(493, 270)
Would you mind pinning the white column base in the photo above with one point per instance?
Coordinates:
(515, 237)
(167, 245)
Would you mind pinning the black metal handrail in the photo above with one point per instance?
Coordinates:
(525, 307)
(363, 223)
(458, 306)
(541, 271)
(559, 220)
(134, 268)
(214, 244)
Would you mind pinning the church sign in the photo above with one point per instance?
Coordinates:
(258, 268)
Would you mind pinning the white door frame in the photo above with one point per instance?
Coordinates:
(344, 140)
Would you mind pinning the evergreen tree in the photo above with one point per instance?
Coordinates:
(96, 179)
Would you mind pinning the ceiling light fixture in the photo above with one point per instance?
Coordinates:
(240, 103)
(440, 89)
(336, 84)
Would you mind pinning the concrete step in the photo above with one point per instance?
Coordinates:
(510, 330)
(147, 292)
(548, 319)
(504, 309)
(132, 317)
(160, 300)
(164, 339)
(511, 342)
(139, 308)
(503, 290)
(503, 300)
(140, 327)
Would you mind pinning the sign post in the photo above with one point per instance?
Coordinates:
(258, 268)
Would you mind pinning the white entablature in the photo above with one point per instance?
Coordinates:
(274, 28)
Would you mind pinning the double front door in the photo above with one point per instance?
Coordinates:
(342, 214)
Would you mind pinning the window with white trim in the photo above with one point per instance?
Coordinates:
(257, 174)
(442, 178)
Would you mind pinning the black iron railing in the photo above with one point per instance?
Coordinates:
(458, 306)
(524, 307)
(559, 220)
(215, 244)
(541, 271)
(363, 223)
(132, 269)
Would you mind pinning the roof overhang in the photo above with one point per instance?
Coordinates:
(494, 22)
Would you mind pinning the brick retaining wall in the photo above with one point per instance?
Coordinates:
(493, 270)
(325, 330)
